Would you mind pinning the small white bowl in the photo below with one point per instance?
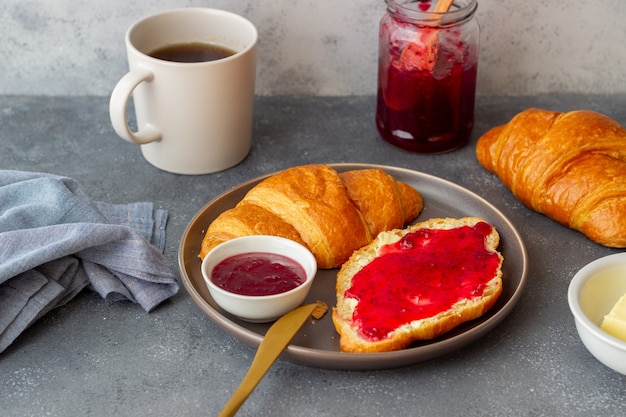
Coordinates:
(592, 293)
(262, 308)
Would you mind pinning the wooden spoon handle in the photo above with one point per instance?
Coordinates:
(275, 341)
(442, 6)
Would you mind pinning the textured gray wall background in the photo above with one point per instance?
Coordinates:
(317, 47)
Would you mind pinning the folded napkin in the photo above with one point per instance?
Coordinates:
(55, 241)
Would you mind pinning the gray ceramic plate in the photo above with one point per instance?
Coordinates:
(317, 343)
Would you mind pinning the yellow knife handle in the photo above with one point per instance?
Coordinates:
(275, 341)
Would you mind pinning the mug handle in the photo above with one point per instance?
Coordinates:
(119, 102)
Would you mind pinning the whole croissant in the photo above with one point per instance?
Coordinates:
(569, 166)
(332, 214)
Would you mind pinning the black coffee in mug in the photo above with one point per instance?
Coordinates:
(191, 52)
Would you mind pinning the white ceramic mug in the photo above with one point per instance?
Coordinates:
(192, 118)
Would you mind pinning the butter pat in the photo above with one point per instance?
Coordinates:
(614, 323)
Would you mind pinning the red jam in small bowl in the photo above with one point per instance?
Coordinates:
(258, 273)
(259, 278)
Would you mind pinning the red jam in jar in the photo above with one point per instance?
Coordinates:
(427, 67)
(258, 273)
(424, 273)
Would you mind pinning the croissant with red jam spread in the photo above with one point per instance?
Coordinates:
(417, 283)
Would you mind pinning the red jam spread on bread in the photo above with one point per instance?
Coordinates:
(258, 273)
(421, 275)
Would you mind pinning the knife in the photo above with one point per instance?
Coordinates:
(275, 341)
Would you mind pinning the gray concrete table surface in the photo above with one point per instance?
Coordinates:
(97, 358)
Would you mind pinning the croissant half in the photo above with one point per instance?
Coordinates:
(569, 166)
(332, 214)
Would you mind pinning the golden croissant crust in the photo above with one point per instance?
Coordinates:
(332, 214)
(569, 166)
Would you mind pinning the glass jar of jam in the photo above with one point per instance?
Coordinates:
(427, 65)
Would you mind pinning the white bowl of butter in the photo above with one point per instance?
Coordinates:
(597, 299)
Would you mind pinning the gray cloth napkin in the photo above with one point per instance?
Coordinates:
(55, 241)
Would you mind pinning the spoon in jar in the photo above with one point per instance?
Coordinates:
(275, 341)
(413, 53)
(443, 6)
